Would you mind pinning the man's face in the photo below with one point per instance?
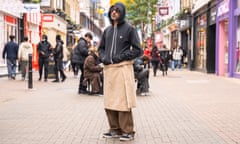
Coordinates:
(115, 13)
(88, 40)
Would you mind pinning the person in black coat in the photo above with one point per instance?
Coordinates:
(44, 50)
(141, 74)
(164, 55)
(81, 52)
(155, 59)
(119, 45)
(58, 59)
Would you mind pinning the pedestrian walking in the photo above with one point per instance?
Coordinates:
(66, 59)
(11, 52)
(58, 60)
(164, 55)
(81, 52)
(147, 53)
(25, 49)
(44, 51)
(177, 57)
(119, 46)
(155, 59)
(75, 60)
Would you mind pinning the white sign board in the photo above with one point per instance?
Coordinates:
(45, 3)
(31, 8)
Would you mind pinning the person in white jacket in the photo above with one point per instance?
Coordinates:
(177, 57)
(24, 50)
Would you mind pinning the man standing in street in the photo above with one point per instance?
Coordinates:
(44, 50)
(58, 59)
(119, 46)
(25, 49)
(81, 52)
(11, 50)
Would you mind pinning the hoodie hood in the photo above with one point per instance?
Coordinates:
(122, 10)
(26, 45)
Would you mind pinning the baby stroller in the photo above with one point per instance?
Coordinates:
(141, 76)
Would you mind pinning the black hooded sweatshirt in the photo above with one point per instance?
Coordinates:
(121, 43)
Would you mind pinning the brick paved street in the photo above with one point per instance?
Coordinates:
(186, 107)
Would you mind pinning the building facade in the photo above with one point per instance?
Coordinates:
(228, 38)
(10, 13)
(203, 48)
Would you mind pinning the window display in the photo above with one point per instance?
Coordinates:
(238, 45)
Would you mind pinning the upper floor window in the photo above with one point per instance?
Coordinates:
(58, 4)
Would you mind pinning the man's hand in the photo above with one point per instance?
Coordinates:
(105, 61)
(117, 58)
(101, 65)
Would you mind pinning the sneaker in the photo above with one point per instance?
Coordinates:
(55, 81)
(13, 77)
(64, 78)
(95, 93)
(126, 137)
(111, 135)
(83, 92)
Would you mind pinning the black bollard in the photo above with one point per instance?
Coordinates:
(30, 82)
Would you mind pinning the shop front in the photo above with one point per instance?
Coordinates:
(223, 54)
(53, 25)
(185, 32)
(32, 22)
(9, 15)
(237, 58)
(235, 72)
(200, 24)
(211, 38)
(166, 37)
(173, 28)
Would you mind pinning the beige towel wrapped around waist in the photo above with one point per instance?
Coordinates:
(119, 87)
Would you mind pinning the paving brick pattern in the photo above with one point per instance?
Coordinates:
(185, 107)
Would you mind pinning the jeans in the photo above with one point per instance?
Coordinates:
(178, 64)
(172, 64)
(11, 66)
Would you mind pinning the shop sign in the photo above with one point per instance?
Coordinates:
(163, 11)
(158, 37)
(199, 4)
(31, 8)
(184, 24)
(10, 19)
(202, 20)
(45, 3)
(213, 16)
(223, 8)
(48, 18)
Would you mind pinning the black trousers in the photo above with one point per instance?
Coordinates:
(43, 64)
(59, 68)
(81, 86)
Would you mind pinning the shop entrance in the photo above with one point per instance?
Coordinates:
(223, 48)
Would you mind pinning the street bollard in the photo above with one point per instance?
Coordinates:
(30, 82)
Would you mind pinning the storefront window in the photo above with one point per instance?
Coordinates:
(238, 45)
(201, 48)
